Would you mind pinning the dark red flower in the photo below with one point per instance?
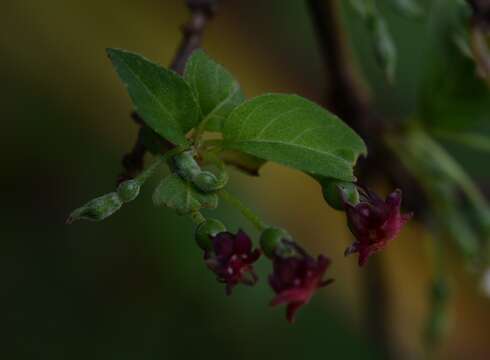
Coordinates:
(295, 279)
(374, 222)
(231, 259)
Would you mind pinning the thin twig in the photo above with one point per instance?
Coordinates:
(201, 12)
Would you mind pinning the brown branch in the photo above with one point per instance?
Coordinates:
(201, 12)
(346, 96)
(481, 12)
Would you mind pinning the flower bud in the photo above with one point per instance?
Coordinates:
(206, 181)
(271, 240)
(128, 190)
(97, 209)
(206, 230)
(336, 193)
(186, 166)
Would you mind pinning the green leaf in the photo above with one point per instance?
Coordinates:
(179, 194)
(160, 96)
(295, 132)
(217, 92)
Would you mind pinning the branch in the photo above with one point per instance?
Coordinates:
(201, 12)
(346, 96)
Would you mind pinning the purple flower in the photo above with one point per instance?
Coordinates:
(374, 222)
(295, 279)
(231, 259)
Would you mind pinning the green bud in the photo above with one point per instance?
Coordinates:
(97, 209)
(334, 193)
(210, 227)
(186, 166)
(128, 190)
(206, 181)
(271, 240)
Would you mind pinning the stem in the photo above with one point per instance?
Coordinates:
(216, 144)
(438, 298)
(376, 317)
(150, 170)
(201, 128)
(197, 217)
(246, 212)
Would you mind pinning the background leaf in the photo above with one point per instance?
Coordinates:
(473, 141)
(379, 36)
(295, 132)
(217, 92)
(178, 194)
(452, 96)
(160, 96)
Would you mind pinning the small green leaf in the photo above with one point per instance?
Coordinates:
(179, 194)
(160, 96)
(295, 132)
(217, 92)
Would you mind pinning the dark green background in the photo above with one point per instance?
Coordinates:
(135, 286)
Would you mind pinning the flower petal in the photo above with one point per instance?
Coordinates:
(291, 311)
(292, 295)
(243, 244)
(223, 244)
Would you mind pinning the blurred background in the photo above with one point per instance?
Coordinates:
(135, 285)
